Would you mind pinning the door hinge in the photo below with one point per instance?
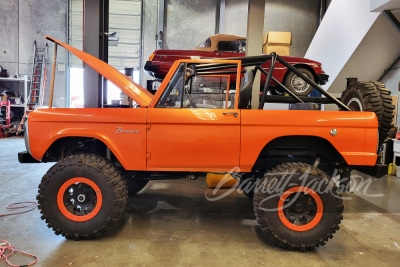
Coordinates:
(148, 126)
(148, 155)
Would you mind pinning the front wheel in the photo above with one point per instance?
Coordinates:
(82, 196)
(297, 207)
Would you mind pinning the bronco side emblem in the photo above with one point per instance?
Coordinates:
(121, 130)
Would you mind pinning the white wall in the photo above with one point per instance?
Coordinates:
(343, 28)
(378, 49)
(380, 5)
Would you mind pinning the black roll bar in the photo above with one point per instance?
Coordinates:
(257, 61)
(268, 81)
(281, 85)
(313, 84)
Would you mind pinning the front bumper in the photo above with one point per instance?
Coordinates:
(323, 78)
(25, 157)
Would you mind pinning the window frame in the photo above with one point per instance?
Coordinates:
(176, 65)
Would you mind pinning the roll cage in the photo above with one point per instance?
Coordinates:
(254, 63)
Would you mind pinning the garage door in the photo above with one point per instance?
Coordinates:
(124, 45)
(124, 27)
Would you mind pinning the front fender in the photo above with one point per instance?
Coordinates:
(123, 131)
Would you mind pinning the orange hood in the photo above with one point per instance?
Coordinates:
(139, 94)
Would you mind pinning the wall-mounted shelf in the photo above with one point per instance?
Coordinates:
(25, 80)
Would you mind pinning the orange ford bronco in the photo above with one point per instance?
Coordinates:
(196, 123)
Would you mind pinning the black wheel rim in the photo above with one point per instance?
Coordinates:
(80, 199)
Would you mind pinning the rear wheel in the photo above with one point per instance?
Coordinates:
(82, 196)
(297, 85)
(297, 207)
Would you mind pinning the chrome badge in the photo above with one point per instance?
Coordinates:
(122, 130)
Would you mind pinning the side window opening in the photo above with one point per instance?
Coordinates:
(208, 91)
(172, 95)
(230, 46)
(206, 43)
(188, 89)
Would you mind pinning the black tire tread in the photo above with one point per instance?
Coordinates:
(115, 179)
(377, 99)
(263, 221)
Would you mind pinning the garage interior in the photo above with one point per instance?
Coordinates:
(174, 222)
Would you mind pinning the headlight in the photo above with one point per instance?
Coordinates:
(26, 136)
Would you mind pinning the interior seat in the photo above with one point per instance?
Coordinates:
(246, 91)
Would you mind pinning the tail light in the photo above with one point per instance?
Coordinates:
(316, 66)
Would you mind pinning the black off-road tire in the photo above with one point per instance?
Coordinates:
(290, 176)
(386, 119)
(100, 174)
(371, 96)
(290, 80)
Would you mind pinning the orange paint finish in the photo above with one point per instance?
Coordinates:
(259, 127)
(123, 131)
(193, 139)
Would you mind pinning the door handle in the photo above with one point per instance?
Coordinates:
(235, 114)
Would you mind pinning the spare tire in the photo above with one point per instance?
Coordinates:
(371, 96)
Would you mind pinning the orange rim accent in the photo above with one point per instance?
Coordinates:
(315, 220)
(64, 210)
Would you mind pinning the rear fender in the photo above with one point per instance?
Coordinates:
(299, 149)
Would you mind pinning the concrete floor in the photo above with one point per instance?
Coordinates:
(172, 224)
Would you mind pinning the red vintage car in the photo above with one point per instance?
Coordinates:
(227, 46)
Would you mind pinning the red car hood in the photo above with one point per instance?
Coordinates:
(194, 53)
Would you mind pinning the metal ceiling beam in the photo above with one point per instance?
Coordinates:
(392, 19)
(160, 24)
(254, 38)
(95, 42)
(220, 17)
(395, 22)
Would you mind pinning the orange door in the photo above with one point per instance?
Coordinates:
(193, 139)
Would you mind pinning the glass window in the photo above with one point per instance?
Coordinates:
(206, 43)
(211, 91)
(172, 95)
(199, 91)
(232, 46)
